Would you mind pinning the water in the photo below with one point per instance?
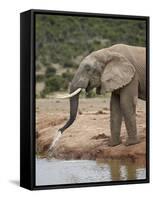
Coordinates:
(55, 140)
(56, 172)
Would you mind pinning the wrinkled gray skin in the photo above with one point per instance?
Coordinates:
(119, 69)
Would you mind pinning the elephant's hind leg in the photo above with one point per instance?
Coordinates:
(115, 120)
(128, 100)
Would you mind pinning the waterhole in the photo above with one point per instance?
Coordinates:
(54, 172)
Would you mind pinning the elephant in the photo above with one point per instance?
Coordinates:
(121, 71)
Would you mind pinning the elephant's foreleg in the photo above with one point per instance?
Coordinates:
(128, 100)
(115, 120)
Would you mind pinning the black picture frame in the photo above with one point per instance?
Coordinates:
(27, 99)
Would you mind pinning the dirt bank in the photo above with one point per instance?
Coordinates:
(88, 137)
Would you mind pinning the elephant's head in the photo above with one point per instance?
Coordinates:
(104, 70)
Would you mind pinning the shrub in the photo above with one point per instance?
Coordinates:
(91, 94)
(50, 71)
(53, 84)
(39, 78)
(67, 78)
(69, 64)
(67, 75)
(43, 93)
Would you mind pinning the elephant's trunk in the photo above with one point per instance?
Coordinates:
(73, 112)
(76, 86)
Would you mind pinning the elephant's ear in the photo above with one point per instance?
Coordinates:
(118, 72)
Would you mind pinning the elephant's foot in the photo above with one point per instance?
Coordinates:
(113, 142)
(132, 141)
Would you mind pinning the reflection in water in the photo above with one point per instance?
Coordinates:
(124, 169)
(83, 171)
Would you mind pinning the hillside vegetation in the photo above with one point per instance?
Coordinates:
(63, 41)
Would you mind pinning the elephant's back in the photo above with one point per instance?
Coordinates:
(137, 56)
(139, 61)
(133, 53)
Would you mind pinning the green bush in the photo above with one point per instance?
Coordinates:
(61, 40)
(50, 71)
(39, 78)
(67, 78)
(43, 94)
(91, 94)
(69, 64)
(53, 84)
(67, 75)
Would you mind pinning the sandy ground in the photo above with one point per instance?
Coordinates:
(88, 137)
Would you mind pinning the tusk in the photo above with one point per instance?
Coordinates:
(70, 95)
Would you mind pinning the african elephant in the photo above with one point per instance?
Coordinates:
(121, 70)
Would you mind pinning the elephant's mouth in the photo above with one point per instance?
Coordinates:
(88, 88)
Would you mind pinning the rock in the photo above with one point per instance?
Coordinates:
(100, 136)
